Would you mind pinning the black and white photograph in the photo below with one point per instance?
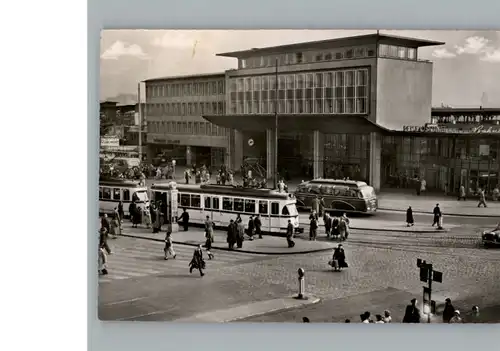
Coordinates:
(301, 176)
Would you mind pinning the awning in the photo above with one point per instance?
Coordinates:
(353, 124)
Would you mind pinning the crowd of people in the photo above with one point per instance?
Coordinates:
(450, 315)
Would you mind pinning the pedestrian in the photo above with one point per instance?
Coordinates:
(327, 219)
(475, 315)
(482, 198)
(231, 234)
(449, 311)
(437, 216)
(461, 193)
(157, 222)
(251, 228)
(289, 234)
(105, 222)
(120, 211)
(103, 240)
(169, 246)
(315, 204)
(209, 237)
(423, 186)
(335, 231)
(240, 234)
(313, 228)
(197, 261)
(186, 176)
(103, 261)
(258, 226)
(131, 211)
(456, 318)
(321, 206)
(338, 260)
(344, 227)
(184, 219)
(409, 217)
(114, 227)
(365, 317)
(387, 316)
(379, 319)
(412, 313)
(146, 217)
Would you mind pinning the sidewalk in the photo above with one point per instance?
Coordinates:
(249, 310)
(395, 226)
(269, 245)
(399, 201)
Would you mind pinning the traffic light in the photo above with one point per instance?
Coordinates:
(424, 274)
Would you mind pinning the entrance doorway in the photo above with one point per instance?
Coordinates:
(290, 160)
(202, 156)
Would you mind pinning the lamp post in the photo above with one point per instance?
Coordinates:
(173, 169)
(276, 128)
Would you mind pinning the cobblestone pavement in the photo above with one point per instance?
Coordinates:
(468, 273)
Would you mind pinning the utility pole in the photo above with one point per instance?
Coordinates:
(140, 119)
(276, 129)
(428, 275)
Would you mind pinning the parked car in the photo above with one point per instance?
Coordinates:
(491, 237)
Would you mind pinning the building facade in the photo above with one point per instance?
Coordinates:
(176, 128)
(377, 78)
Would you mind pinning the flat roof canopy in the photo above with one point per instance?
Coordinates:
(334, 43)
(355, 124)
(448, 111)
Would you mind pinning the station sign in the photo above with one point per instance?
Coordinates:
(436, 129)
(110, 141)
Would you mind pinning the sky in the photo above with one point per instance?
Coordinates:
(466, 69)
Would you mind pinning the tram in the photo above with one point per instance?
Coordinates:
(225, 202)
(111, 192)
(339, 195)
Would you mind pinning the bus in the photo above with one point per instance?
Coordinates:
(111, 192)
(225, 202)
(339, 195)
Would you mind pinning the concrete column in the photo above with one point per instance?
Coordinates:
(188, 156)
(270, 156)
(237, 150)
(318, 153)
(375, 160)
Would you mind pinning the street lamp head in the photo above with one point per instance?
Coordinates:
(301, 272)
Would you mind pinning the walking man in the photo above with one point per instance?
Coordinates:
(289, 234)
(169, 247)
(185, 219)
(258, 226)
(437, 216)
(482, 198)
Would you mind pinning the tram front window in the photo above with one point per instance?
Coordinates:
(140, 196)
(290, 210)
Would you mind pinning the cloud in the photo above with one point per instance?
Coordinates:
(443, 53)
(473, 45)
(491, 56)
(120, 49)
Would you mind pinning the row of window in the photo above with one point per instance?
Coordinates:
(187, 109)
(306, 57)
(331, 79)
(191, 128)
(118, 194)
(231, 204)
(399, 52)
(338, 92)
(186, 89)
(333, 106)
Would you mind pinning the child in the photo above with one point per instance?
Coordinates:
(169, 247)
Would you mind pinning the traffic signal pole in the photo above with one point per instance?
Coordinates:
(428, 275)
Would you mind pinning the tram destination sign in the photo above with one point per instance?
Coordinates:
(435, 129)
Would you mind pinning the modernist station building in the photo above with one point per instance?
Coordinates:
(350, 107)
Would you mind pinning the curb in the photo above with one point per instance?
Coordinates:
(446, 214)
(227, 249)
(444, 230)
(206, 317)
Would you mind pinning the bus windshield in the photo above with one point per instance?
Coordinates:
(140, 195)
(367, 192)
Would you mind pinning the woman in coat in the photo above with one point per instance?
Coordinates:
(409, 217)
(338, 260)
(197, 261)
